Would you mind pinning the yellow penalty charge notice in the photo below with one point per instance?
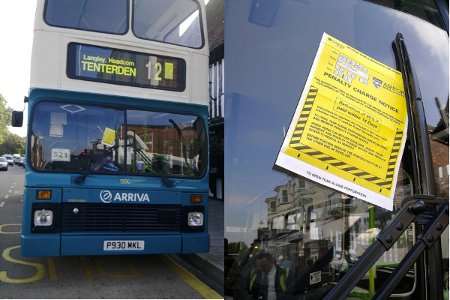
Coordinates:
(349, 128)
(109, 137)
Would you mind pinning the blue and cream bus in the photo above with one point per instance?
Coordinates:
(117, 149)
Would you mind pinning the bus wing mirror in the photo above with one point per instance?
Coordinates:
(17, 119)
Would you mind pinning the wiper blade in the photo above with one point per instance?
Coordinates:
(418, 132)
(424, 183)
(158, 164)
(175, 125)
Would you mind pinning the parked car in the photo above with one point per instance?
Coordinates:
(16, 158)
(22, 161)
(3, 164)
(9, 158)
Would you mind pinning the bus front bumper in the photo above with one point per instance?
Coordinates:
(35, 245)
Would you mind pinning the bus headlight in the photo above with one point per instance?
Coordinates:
(43, 217)
(195, 219)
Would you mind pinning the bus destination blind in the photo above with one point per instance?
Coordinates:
(115, 66)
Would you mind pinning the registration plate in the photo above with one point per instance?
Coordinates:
(123, 245)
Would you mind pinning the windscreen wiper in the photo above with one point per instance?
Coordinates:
(430, 213)
(180, 134)
(79, 179)
(165, 180)
(412, 210)
(424, 183)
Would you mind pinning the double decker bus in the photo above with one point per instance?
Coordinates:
(117, 147)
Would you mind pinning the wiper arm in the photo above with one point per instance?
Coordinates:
(180, 134)
(417, 129)
(175, 125)
(166, 181)
(82, 177)
(411, 212)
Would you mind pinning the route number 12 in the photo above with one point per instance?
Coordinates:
(154, 69)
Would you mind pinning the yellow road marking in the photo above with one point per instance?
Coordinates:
(38, 275)
(52, 269)
(204, 290)
(9, 232)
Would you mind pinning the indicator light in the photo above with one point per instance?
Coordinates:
(196, 198)
(44, 195)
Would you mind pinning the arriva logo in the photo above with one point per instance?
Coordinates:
(107, 197)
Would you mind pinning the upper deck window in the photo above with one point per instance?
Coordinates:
(107, 16)
(169, 21)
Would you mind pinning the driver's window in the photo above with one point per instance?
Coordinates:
(77, 138)
(165, 144)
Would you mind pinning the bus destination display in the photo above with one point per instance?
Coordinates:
(93, 63)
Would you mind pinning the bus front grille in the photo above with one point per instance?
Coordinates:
(79, 217)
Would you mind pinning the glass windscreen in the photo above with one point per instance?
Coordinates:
(287, 236)
(164, 143)
(77, 138)
(169, 21)
(88, 15)
(307, 236)
(92, 139)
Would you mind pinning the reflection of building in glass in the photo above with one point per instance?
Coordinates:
(304, 218)
(439, 151)
(163, 139)
(164, 145)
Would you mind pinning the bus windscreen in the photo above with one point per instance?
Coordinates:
(70, 137)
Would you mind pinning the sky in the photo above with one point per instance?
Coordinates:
(16, 30)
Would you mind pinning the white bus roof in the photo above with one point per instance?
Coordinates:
(50, 51)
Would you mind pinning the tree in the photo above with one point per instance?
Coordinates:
(12, 144)
(5, 119)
